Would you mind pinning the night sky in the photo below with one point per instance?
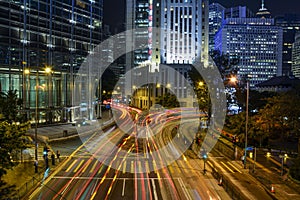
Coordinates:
(114, 9)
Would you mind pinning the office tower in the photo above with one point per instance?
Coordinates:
(46, 33)
(290, 24)
(216, 16)
(296, 56)
(238, 12)
(257, 42)
(180, 18)
(182, 37)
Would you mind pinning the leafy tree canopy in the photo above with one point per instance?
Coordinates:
(12, 138)
(9, 106)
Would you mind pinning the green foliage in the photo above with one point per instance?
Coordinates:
(168, 100)
(9, 106)
(295, 170)
(226, 63)
(11, 139)
(201, 90)
(278, 117)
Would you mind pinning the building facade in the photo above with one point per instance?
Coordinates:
(257, 42)
(175, 32)
(216, 17)
(53, 34)
(238, 12)
(296, 56)
(290, 24)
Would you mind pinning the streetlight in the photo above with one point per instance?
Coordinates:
(283, 158)
(48, 70)
(234, 79)
(26, 94)
(36, 113)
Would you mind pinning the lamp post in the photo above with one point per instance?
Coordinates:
(26, 93)
(36, 113)
(48, 71)
(234, 79)
(246, 131)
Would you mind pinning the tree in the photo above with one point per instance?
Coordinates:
(226, 63)
(280, 116)
(168, 100)
(11, 140)
(10, 105)
(295, 169)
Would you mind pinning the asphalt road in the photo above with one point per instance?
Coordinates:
(131, 162)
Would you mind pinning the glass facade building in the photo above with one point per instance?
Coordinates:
(40, 34)
(290, 24)
(257, 42)
(216, 16)
(296, 56)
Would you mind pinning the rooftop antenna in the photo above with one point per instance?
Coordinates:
(262, 4)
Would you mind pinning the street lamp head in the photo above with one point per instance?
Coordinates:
(201, 83)
(48, 70)
(26, 71)
(233, 79)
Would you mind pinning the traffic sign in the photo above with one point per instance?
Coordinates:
(249, 148)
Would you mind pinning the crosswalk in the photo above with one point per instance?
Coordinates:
(84, 165)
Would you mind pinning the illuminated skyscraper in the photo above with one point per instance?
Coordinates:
(296, 56)
(257, 42)
(216, 16)
(175, 32)
(46, 33)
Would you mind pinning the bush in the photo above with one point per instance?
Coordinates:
(295, 170)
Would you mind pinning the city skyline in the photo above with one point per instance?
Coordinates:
(276, 7)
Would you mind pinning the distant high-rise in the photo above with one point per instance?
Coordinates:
(216, 16)
(175, 32)
(290, 24)
(217, 13)
(257, 42)
(238, 12)
(186, 19)
(263, 12)
(296, 56)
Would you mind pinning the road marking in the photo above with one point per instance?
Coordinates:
(234, 167)
(124, 167)
(123, 190)
(171, 169)
(147, 167)
(140, 166)
(93, 168)
(100, 169)
(71, 165)
(88, 164)
(154, 189)
(227, 167)
(98, 178)
(132, 167)
(78, 166)
(186, 193)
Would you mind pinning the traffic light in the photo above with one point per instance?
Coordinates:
(204, 154)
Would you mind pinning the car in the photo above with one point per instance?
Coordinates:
(79, 122)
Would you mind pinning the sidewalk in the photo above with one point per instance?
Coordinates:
(60, 131)
(23, 175)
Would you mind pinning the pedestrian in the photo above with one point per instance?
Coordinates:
(35, 166)
(46, 163)
(53, 158)
(58, 155)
